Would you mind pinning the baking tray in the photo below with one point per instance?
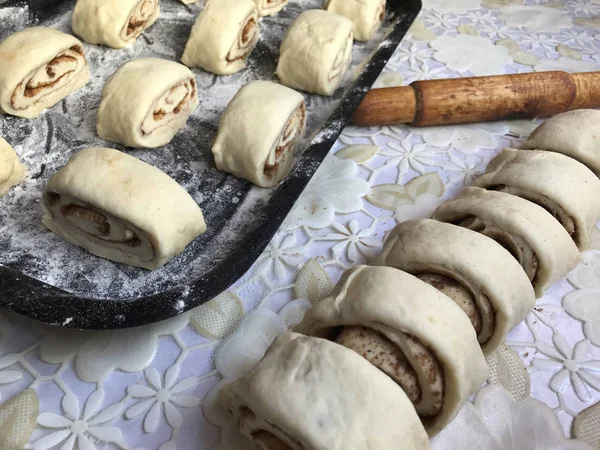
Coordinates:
(44, 278)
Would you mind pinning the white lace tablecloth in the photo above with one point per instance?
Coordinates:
(153, 387)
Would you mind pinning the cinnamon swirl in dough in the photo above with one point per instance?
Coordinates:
(311, 394)
(120, 208)
(114, 23)
(529, 232)
(316, 52)
(366, 15)
(12, 172)
(38, 68)
(563, 186)
(270, 7)
(259, 130)
(572, 133)
(476, 272)
(223, 36)
(146, 102)
(411, 331)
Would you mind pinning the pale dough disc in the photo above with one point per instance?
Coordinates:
(258, 132)
(146, 102)
(38, 68)
(12, 172)
(120, 208)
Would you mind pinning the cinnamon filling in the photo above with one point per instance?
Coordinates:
(342, 61)
(245, 41)
(265, 435)
(48, 78)
(88, 221)
(139, 18)
(479, 311)
(408, 362)
(516, 245)
(288, 140)
(170, 105)
(549, 205)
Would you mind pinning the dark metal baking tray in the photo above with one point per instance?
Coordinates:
(238, 231)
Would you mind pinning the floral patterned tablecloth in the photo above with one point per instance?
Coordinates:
(154, 387)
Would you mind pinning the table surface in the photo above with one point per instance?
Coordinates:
(154, 387)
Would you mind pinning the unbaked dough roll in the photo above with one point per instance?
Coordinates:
(529, 232)
(12, 172)
(366, 15)
(316, 52)
(561, 185)
(270, 7)
(409, 330)
(146, 102)
(476, 272)
(114, 23)
(223, 36)
(38, 68)
(259, 130)
(311, 394)
(573, 133)
(120, 208)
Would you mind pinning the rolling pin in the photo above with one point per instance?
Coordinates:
(480, 99)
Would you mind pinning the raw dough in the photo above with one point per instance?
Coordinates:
(311, 394)
(535, 238)
(573, 133)
(115, 23)
(38, 68)
(366, 15)
(446, 364)
(120, 208)
(223, 36)
(12, 172)
(316, 52)
(481, 276)
(270, 7)
(563, 186)
(259, 130)
(146, 102)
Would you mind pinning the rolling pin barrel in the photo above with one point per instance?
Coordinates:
(480, 99)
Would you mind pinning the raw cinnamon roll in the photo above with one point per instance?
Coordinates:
(411, 331)
(270, 7)
(38, 68)
(223, 36)
(561, 185)
(259, 130)
(12, 172)
(146, 102)
(114, 23)
(120, 208)
(366, 15)
(529, 232)
(316, 52)
(572, 133)
(311, 394)
(481, 276)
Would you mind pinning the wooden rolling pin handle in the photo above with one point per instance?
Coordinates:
(480, 99)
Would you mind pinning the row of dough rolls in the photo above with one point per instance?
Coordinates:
(120, 208)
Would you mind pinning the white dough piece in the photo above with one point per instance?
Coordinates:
(312, 394)
(120, 208)
(224, 34)
(270, 7)
(114, 23)
(563, 186)
(573, 133)
(38, 68)
(258, 132)
(405, 309)
(366, 15)
(535, 238)
(316, 52)
(146, 102)
(495, 283)
(12, 172)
